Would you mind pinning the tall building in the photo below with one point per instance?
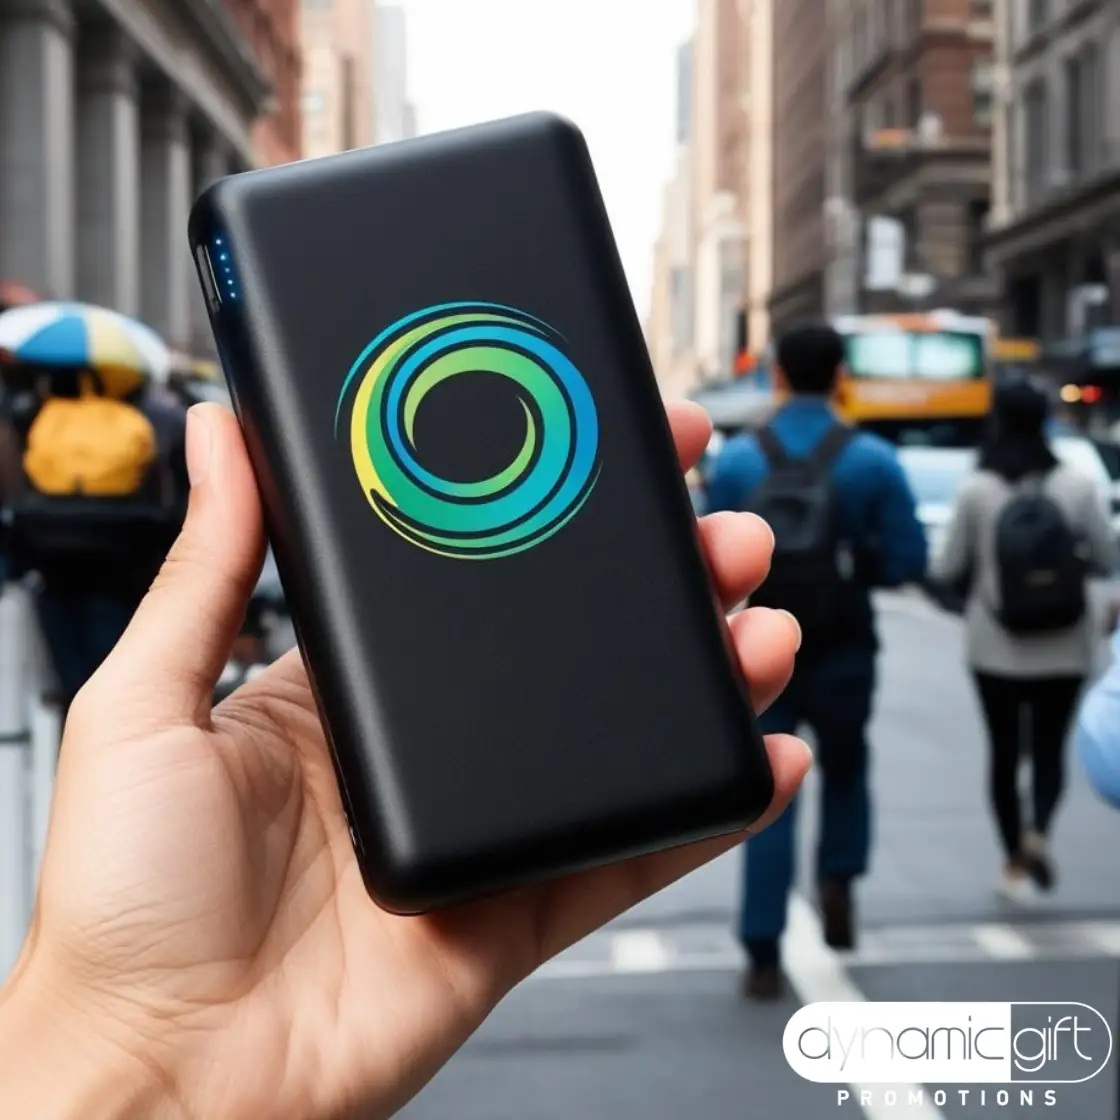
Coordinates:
(757, 190)
(112, 117)
(800, 41)
(338, 102)
(271, 28)
(716, 154)
(670, 328)
(1055, 230)
(910, 116)
(395, 118)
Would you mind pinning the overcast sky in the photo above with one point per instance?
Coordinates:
(610, 65)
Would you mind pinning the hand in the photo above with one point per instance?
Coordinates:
(202, 944)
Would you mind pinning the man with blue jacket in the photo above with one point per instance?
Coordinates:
(806, 465)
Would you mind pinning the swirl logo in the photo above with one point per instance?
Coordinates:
(538, 492)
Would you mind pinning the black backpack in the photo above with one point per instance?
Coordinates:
(811, 573)
(1039, 564)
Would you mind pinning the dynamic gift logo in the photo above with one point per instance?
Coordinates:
(535, 495)
(948, 1043)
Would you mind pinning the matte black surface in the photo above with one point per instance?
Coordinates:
(501, 720)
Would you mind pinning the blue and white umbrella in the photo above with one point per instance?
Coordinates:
(66, 335)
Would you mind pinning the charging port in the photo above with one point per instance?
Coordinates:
(209, 280)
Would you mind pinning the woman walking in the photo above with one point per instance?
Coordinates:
(1025, 535)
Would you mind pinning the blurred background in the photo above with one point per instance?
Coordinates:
(939, 178)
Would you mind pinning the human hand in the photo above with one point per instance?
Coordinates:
(202, 944)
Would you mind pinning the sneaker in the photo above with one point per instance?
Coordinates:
(837, 912)
(1037, 861)
(1015, 884)
(764, 983)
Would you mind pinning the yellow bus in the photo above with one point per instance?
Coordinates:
(924, 367)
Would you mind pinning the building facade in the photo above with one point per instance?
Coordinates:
(757, 170)
(670, 328)
(716, 154)
(271, 28)
(912, 93)
(112, 118)
(394, 115)
(1055, 231)
(338, 102)
(798, 124)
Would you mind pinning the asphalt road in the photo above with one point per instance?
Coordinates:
(644, 1020)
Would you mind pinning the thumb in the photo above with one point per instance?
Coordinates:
(165, 666)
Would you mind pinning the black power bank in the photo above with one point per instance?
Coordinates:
(476, 509)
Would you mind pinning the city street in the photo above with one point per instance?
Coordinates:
(645, 1020)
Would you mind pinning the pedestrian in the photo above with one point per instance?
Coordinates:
(1025, 535)
(95, 554)
(202, 943)
(845, 522)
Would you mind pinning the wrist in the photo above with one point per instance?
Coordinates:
(59, 1061)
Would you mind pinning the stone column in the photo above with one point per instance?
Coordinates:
(36, 145)
(211, 162)
(165, 186)
(109, 172)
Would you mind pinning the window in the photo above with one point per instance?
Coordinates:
(859, 36)
(917, 15)
(312, 102)
(1075, 119)
(348, 91)
(914, 102)
(976, 225)
(1035, 140)
(1091, 97)
(982, 82)
(1082, 112)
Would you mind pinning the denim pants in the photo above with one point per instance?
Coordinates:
(833, 698)
(80, 629)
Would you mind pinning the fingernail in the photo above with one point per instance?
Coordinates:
(199, 445)
(795, 624)
(766, 525)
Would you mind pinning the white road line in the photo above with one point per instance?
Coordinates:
(817, 975)
(1105, 936)
(1003, 943)
(595, 970)
(639, 950)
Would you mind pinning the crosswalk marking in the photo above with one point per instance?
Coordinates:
(713, 948)
(817, 974)
(1003, 942)
(639, 951)
(1106, 937)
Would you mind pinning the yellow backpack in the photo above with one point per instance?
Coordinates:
(89, 446)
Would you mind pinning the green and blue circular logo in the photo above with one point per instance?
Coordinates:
(535, 494)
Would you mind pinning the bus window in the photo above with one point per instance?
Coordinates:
(928, 356)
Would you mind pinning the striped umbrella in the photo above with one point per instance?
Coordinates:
(63, 335)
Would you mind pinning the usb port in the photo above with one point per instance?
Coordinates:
(209, 280)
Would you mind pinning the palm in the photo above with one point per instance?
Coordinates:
(199, 869)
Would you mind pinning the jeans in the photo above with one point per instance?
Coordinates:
(833, 697)
(80, 629)
(1046, 705)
